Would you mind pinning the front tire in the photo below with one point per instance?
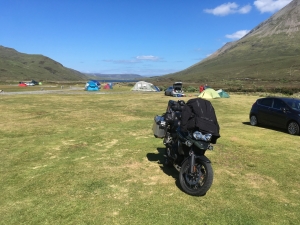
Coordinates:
(199, 182)
(253, 120)
(293, 128)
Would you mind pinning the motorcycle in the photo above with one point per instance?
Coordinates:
(185, 150)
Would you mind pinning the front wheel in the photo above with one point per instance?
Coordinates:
(253, 120)
(198, 182)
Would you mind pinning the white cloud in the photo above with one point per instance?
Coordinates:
(147, 57)
(245, 9)
(237, 35)
(270, 5)
(228, 8)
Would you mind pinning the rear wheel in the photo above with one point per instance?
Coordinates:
(253, 120)
(293, 128)
(198, 182)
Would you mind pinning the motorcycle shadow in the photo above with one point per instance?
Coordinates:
(168, 170)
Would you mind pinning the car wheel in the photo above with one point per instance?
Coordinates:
(293, 128)
(165, 93)
(253, 120)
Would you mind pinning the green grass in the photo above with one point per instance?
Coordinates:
(91, 158)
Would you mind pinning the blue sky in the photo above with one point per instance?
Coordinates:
(145, 37)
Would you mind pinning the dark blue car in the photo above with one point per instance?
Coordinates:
(281, 112)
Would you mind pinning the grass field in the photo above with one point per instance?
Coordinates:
(91, 158)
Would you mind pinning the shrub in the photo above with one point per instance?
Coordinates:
(190, 89)
(287, 91)
(162, 88)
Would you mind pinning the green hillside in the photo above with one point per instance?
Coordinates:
(252, 58)
(16, 66)
(270, 52)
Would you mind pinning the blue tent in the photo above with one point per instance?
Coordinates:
(91, 86)
(97, 82)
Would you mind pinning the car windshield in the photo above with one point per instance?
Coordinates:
(293, 103)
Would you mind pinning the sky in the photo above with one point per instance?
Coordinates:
(145, 37)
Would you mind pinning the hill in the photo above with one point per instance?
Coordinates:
(269, 52)
(100, 76)
(16, 66)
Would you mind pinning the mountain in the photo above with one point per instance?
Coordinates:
(270, 51)
(16, 66)
(100, 76)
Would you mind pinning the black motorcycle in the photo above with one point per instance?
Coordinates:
(185, 150)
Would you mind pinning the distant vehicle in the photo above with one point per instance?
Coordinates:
(29, 83)
(175, 90)
(35, 82)
(281, 112)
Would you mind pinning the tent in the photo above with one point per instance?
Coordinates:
(108, 86)
(209, 93)
(97, 82)
(144, 86)
(222, 93)
(91, 86)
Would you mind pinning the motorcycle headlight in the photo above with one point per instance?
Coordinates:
(199, 136)
(208, 137)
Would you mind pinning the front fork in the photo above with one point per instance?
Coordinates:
(192, 161)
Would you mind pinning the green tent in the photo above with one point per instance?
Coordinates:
(209, 93)
(223, 94)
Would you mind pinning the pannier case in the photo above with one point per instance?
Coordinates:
(159, 127)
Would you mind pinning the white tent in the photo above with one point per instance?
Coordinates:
(144, 86)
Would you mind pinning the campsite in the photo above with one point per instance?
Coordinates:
(88, 158)
(77, 147)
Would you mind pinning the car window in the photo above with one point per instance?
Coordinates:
(278, 104)
(266, 102)
(293, 103)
